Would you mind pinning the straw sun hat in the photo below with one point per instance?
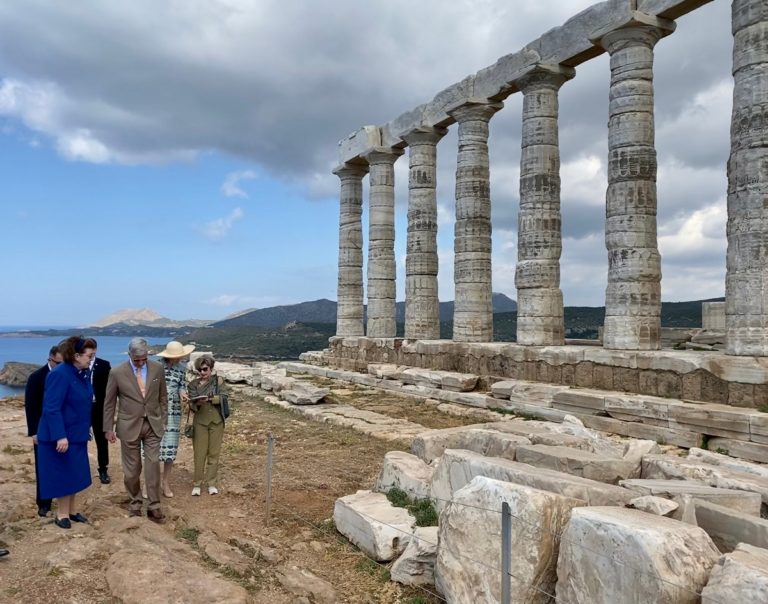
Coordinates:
(175, 350)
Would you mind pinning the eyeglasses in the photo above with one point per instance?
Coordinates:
(204, 369)
(54, 362)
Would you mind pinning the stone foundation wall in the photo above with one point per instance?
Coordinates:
(687, 375)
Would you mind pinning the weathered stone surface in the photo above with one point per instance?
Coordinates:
(739, 448)
(406, 472)
(742, 501)
(523, 391)
(665, 436)
(715, 420)
(448, 380)
(580, 400)
(466, 567)
(384, 370)
(304, 393)
(457, 468)
(740, 576)
(622, 556)
(275, 382)
(658, 506)
(636, 449)
(222, 553)
(431, 445)
(668, 467)
(577, 462)
(649, 410)
(370, 522)
(728, 527)
(144, 578)
(349, 312)
(302, 583)
(718, 459)
(416, 565)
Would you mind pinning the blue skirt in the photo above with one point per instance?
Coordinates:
(63, 474)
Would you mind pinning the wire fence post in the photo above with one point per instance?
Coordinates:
(270, 446)
(506, 552)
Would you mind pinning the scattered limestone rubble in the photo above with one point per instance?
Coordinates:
(295, 391)
(558, 476)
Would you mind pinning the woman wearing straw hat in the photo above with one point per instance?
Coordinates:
(173, 358)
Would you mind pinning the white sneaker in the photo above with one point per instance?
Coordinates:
(196, 492)
(213, 491)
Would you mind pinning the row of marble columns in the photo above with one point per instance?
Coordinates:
(633, 293)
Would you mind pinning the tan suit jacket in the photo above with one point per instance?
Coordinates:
(123, 393)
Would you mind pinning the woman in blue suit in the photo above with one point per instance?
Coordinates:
(64, 429)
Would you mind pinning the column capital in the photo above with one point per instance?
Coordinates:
(424, 135)
(382, 155)
(637, 29)
(545, 76)
(345, 171)
(473, 109)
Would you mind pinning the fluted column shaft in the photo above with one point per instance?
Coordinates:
(633, 294)
(746, 282)
(473, 306)
(381, 243)
(349, 310)
(422, 307)
(539, 242)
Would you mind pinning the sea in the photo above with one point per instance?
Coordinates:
(34, 349)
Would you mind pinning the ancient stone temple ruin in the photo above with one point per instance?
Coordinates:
(630, 358)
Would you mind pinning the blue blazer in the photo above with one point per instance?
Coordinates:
(66, 405)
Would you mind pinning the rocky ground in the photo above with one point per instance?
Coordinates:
(213, 549)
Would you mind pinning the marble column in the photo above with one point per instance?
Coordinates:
(746, 282)
(473, 306)
(539, 243)
(633, 294)
(381, 242)
(349, 311)
(422, 307)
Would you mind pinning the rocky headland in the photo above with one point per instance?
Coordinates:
(16, 374)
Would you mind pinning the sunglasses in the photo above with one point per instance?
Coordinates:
(204, 368)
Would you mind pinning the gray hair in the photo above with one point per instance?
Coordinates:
(205, 359)
(137, 347)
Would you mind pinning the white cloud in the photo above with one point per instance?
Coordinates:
(218, 229)
(231, 186)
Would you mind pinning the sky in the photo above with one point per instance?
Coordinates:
(177, 154)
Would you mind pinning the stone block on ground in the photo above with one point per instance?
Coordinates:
(275, 382)
(406, 472)
(643, 409)
(373, 524)
(304, 393)
(466, 569)
(447, 380)
(580, 400)
(416, 565)
(457, 468)
(712, 419)
(622, 556)
(740, 576)
(431, 445)
(577, 462)
(740, 449)
(742, 501)
(718, 459)
(668, 467)
(304, 584)
(658, 506)
(383, 371)
(729, 527)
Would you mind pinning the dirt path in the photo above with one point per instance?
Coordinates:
(314, 463)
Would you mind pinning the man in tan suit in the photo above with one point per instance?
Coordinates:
(137, 389)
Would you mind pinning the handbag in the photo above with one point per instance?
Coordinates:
(189, 429)
(224, 408)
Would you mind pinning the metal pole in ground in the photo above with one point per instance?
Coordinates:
(506, 552)
(270, 446)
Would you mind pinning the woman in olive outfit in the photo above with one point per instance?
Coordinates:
(205, 402)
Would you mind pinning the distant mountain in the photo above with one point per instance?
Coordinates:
(132, 317)
(324, 311)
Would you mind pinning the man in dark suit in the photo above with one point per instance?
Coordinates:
(33, 406)
(137, 390)
(99, 375)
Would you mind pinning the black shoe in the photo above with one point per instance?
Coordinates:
(104, 477)
(62, 523)
(43, 512)
(78, 517)
(4, 553)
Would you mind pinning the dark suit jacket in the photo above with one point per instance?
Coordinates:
(101, 369)
(122, 388)
(33, 398)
